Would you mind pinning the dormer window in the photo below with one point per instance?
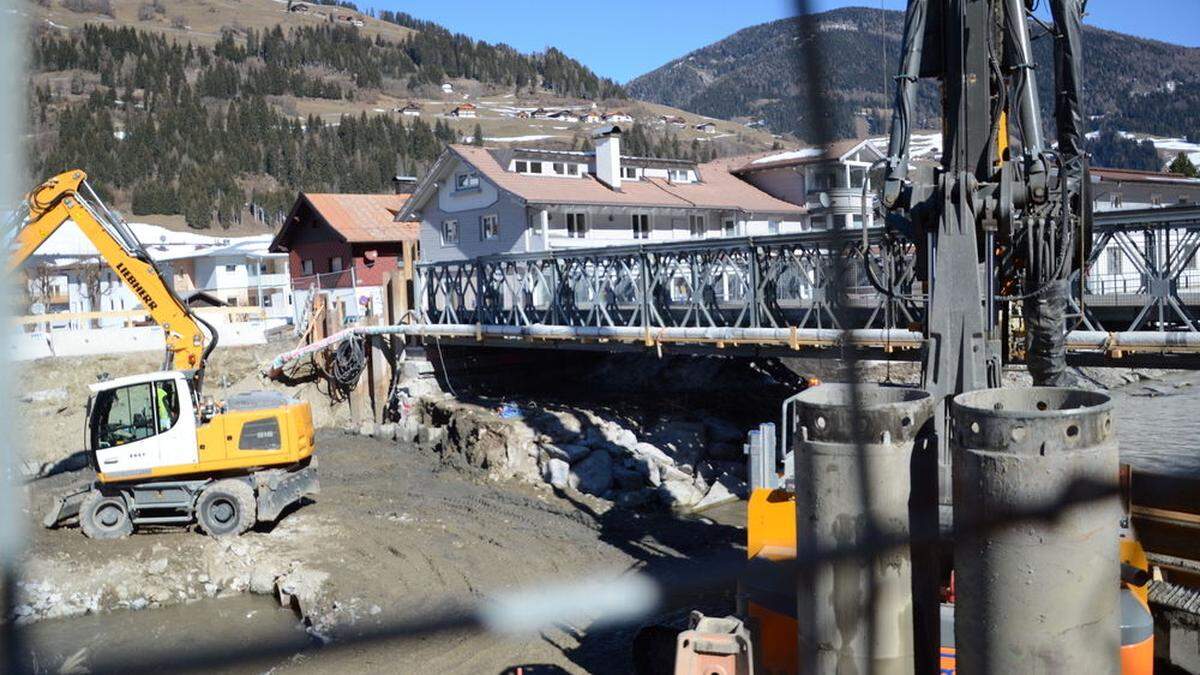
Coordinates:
(629, 172)
(679, 175)
(560, 168)
(521, 167)
(573, 169)
(535, 167)
(466, 181)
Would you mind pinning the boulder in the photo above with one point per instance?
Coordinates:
(627, 478)
(674, 473)
(386, 431)
(679, 494)
(558, 426)
(648, 468)
(610, 434)
(653, 453)
(593, 474)
(568, 452)
(719, 493)
(262, 580)
(557, 472)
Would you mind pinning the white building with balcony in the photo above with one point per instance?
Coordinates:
(476, 201)
(67, 275)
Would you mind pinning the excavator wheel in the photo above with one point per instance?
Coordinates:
(104, 516)
(226, 508)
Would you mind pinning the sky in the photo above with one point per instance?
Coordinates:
(622, 39)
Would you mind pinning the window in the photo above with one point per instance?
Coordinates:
(677, 175)
(521, 167)
(576, 225)
(231, 268)
(696, 225)
(1116, 200)
(560, 168)
(535, 167)
(573, 169)
(641, 226)
(306, 266)
(629, 172)
(335, 264)
(857, 176)
(1156, 199)
(1115, 261)
(730, 227)
(820, 223)
(489, 227)
(772, 227)
(167, 404)
(449, 232)
(466, 181)
(124, 415)
(856, 222)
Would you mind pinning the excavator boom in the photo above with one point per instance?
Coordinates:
(67, 196)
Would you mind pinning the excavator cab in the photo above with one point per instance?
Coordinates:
(141, 422)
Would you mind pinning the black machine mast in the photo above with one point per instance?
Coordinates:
(1004, 219)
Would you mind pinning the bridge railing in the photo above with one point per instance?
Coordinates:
(785, 281)
(762, 282)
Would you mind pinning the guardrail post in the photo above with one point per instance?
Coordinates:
(644, 271)
(755, 317)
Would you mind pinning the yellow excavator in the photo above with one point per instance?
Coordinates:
(162, 453)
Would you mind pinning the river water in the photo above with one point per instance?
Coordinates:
(1158, 424)
(240, 620)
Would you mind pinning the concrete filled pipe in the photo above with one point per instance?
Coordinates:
(857, 616)
(1035, 597)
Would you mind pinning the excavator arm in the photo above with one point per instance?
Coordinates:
(63, 198)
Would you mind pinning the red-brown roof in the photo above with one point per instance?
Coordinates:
(358, 218)
(717, 189)
(1137, 175)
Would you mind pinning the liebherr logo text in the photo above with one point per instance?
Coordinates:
(137, 288)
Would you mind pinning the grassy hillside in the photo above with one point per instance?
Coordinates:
(216, 113)
(198, 21)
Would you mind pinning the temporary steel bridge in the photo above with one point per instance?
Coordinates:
(774, 296)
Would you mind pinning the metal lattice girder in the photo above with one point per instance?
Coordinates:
(780, 282)
(785, 281)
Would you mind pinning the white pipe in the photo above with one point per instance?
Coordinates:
(885, 338)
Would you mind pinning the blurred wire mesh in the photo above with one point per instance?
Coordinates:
(628, 600)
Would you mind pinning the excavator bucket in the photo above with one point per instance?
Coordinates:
(66, 505)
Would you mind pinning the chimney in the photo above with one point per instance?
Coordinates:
(608, 155)
(404, 184)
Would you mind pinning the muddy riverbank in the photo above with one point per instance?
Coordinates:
(395, 530)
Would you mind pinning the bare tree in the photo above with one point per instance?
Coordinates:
(91, 278)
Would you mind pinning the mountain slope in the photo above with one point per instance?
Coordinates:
(219, 111)
(1140, 85)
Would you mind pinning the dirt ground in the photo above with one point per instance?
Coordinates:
(396, 532)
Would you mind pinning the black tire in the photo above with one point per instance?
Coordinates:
(104, 516)
(226, 508)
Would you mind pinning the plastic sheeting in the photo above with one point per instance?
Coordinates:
(1046, 337)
